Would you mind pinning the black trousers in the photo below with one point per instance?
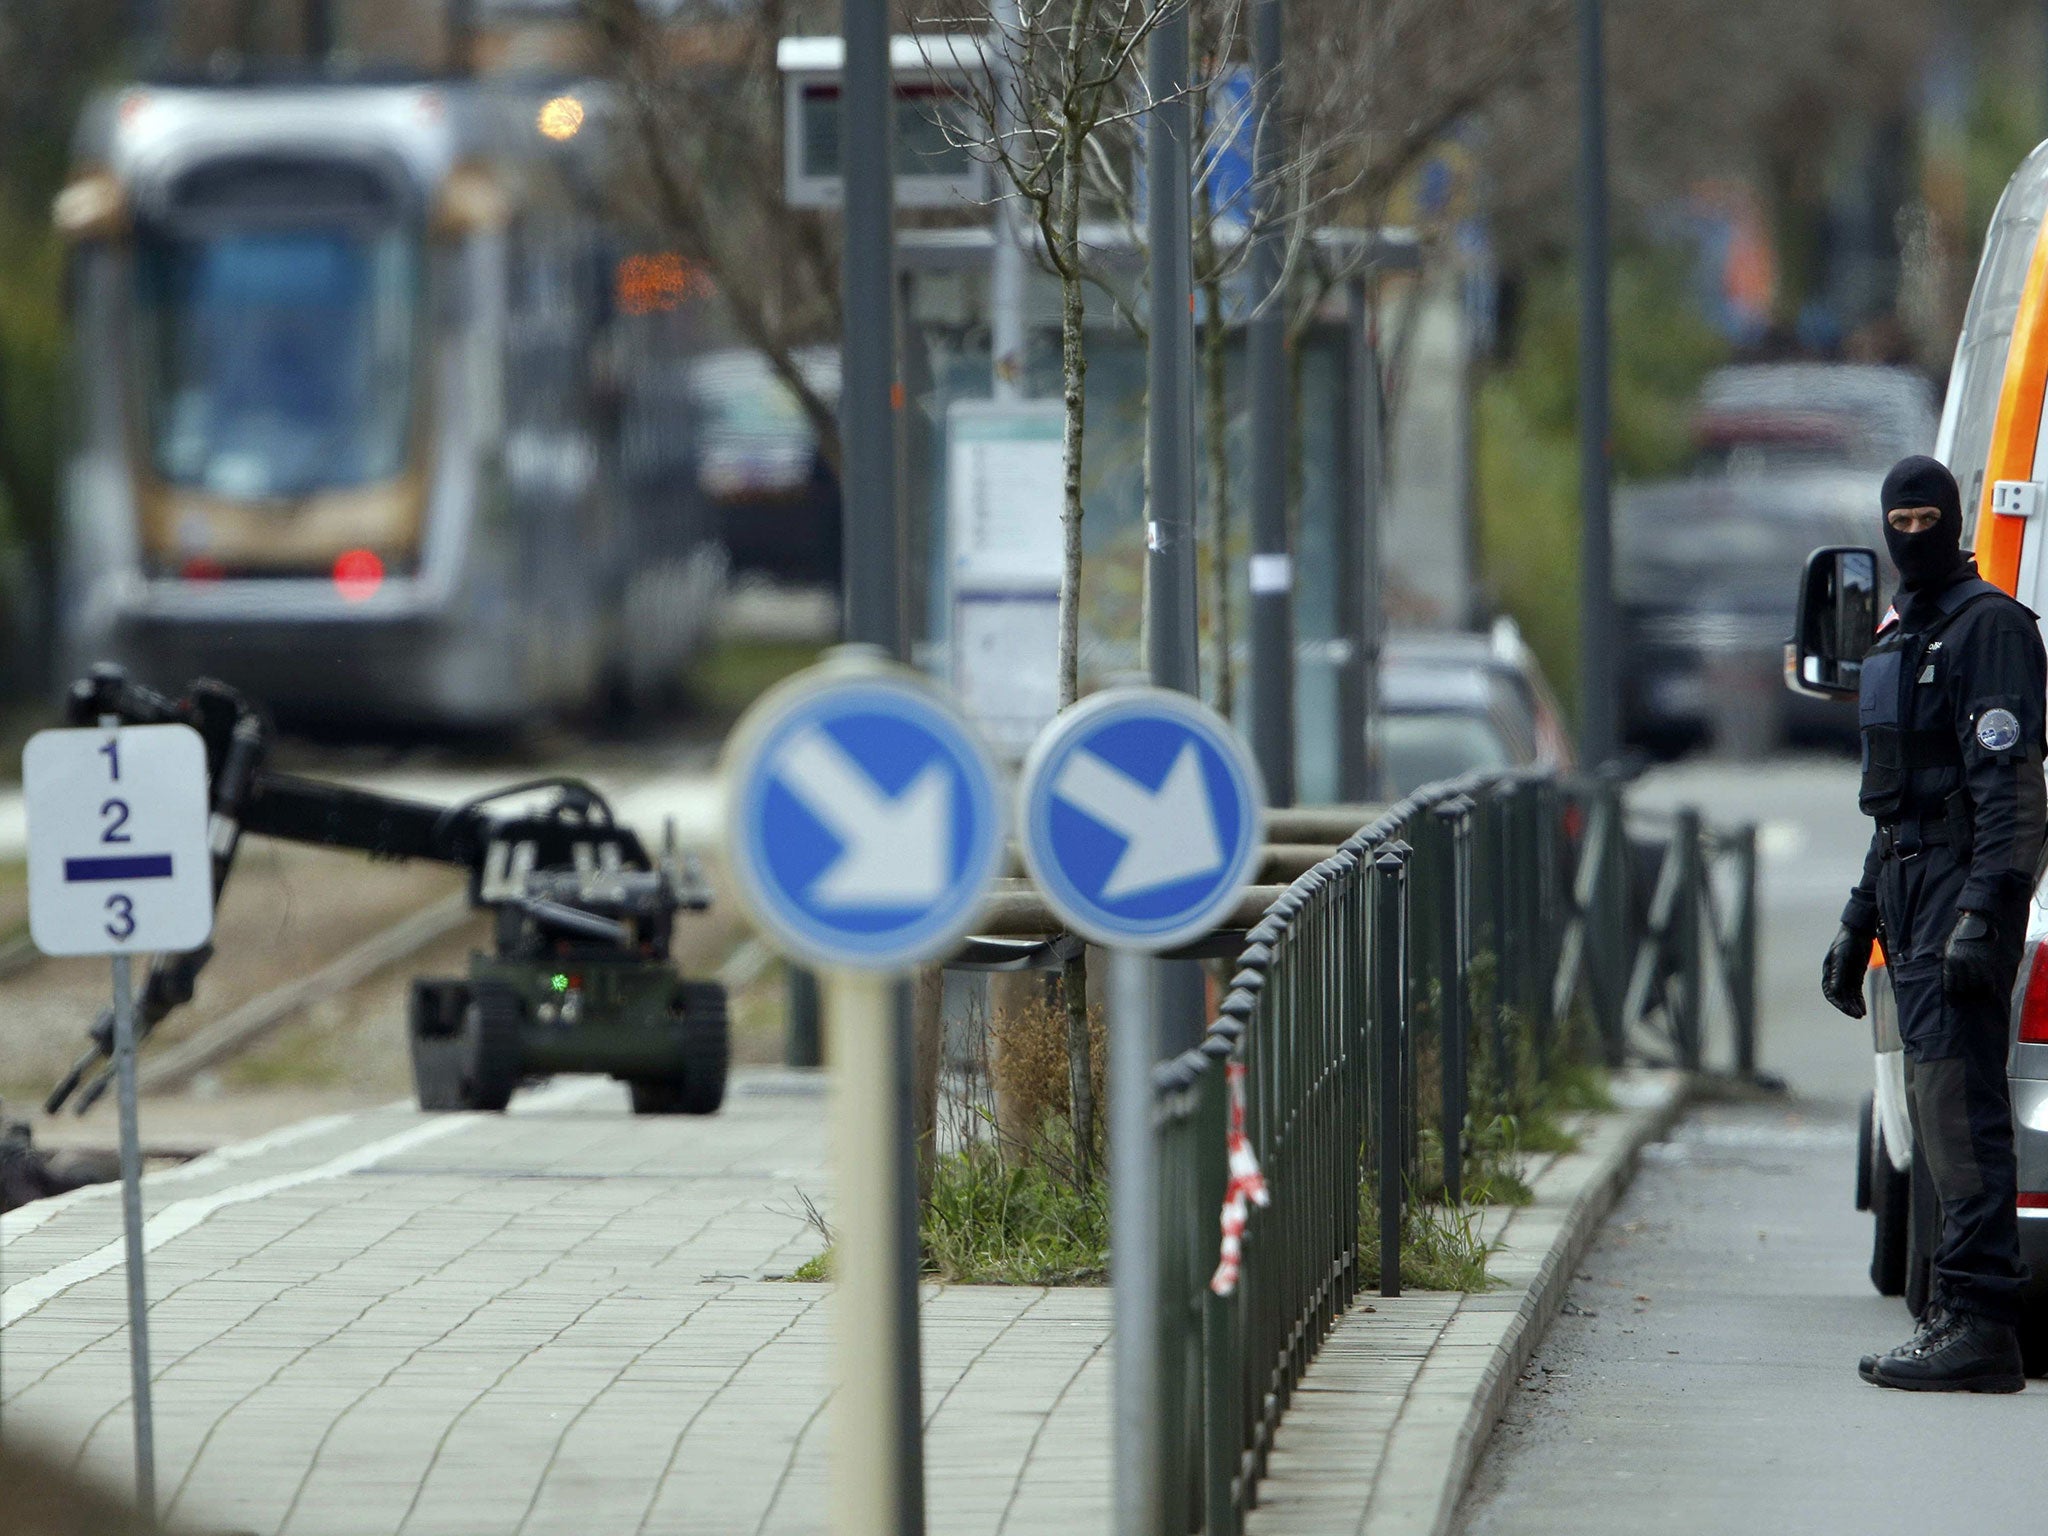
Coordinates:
(1960, 1100)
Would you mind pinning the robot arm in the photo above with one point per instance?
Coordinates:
(527, 864)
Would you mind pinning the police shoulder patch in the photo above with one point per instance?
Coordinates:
(1998, 730)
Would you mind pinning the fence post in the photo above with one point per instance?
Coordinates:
(1605, 912)
(1389, 945)
(1454, 945)
(1222, 1433)
(1741, 967)
(1491, 841)
(1686, 937)
(1543, 914)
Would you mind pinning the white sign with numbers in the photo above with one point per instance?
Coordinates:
(117, 847)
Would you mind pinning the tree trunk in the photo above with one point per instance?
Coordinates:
(1080, 1077)
(928, 1040)
(1074, 396)
(1216, 433)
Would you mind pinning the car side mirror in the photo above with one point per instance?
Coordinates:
(1837, 623)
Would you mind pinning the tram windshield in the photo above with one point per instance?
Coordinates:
(279, 361)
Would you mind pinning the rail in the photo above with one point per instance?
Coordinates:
(1467, 943)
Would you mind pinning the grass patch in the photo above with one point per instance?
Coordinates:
(1580, 1088)
(738, 672)
(1441, 1248)
(1493, 1162)
(998, 1221)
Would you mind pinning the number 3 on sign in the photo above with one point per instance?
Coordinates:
(122, 923)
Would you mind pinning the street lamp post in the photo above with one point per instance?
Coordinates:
(1598, 735)
(1272, 562)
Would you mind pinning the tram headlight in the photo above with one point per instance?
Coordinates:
(560, 118)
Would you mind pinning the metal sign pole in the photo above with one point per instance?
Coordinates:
(119, 860)
(1164, 798)
(860, 1029)
(1134, 1243)
(131, 1218)
(1597, 701)
(131, 1221)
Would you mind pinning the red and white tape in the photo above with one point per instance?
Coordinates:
(1246, 1189)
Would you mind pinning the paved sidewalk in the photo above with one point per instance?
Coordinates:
(1383, 1432)
(555, 1320)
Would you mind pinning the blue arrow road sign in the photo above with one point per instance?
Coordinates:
(862, 819)
(1141, 817)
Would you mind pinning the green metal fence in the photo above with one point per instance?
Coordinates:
(1453, 946)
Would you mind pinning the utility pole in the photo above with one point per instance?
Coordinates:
(867, 414)
(1359, 622)
(1006, 260)
(461, 60)
(1598, 735)
(1170, 399)
(319, 32)
(1272, 562)
(1170, 631)
(874, 615)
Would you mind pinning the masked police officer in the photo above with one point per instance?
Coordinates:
(1951, 706)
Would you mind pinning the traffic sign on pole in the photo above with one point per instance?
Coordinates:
(1141, 815)
(119, 860)
(863, 831)
(864, 826)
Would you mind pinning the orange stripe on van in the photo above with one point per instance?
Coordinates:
(2018, 429)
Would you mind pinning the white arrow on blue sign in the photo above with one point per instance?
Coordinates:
(863, 825)
(1141, 815)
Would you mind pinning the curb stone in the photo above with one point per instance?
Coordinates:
(1407, 1453)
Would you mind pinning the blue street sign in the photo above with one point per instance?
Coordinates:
(1141, 815)
(862, 822)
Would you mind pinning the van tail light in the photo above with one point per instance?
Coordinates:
(2034, 999)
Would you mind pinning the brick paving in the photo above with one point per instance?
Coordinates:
(561, 1319)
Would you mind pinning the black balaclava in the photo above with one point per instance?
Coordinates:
(1931, 559)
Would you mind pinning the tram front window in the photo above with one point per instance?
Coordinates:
(279, 362)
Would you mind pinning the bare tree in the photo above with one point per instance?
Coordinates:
(1063, 75)
(702, 112)
(1063, 79)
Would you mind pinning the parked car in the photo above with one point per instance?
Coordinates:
(1767, 418)
(1788, 456)
(1454, 702)
(1703, 606)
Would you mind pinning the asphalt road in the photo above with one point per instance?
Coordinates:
(1703, 1377)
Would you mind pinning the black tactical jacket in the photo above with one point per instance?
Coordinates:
(1951, 710)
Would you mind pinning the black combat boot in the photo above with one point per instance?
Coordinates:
(1934, 1319)
(1972, 1354)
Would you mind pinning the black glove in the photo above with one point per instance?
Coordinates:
(1841, 973)
(1969, 966)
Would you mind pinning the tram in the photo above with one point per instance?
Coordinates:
(361, 424)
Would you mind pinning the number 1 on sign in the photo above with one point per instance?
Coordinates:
(112, 750)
